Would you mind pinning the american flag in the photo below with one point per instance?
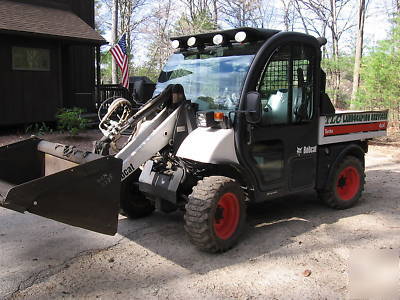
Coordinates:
(119, 53)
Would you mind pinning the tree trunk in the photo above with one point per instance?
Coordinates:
(215, 8)
(297, 6)
(286, 14)
(114, 37)
(358, 55)
(335, 52)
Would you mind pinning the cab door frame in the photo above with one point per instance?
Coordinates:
(246, 134)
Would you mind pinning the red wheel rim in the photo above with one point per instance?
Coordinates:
(348, 183)
(227, 215)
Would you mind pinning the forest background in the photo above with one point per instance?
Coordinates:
(361, 58)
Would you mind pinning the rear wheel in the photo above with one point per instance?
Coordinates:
(134, 204)
(344, 188)
(215, 214)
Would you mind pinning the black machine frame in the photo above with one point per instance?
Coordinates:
(307, 132)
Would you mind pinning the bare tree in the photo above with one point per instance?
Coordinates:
(242, 13)
(99, 17)
(267, 12)
(302, 18)
(132, 17)
(127, 16)
(289, 14)
(199, 16)
(159, 32)
(196, 7)
(362, 7)
(336, 17)
(215, 7)
(397, 5)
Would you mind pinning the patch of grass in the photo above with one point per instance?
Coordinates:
(71, 120)
(38, 128)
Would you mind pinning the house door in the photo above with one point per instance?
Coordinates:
(78, 77)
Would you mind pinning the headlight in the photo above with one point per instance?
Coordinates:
(205, 119)
(240, 36)
(218, 39)
(191, 41)
(175, 44)
(201, 120)
(211, 119)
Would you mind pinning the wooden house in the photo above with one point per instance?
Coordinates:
(48, 52)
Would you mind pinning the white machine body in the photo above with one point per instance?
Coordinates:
(208, 145)
(152, 136)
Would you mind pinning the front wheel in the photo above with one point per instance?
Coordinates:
(344, 188)
(215, 214)
(134, 204)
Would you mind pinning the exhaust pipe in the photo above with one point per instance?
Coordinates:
(62, 183)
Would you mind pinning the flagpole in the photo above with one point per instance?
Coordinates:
(120, 55)
(114, 37)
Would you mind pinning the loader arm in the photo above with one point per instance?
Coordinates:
(152, 137)
(82, 188)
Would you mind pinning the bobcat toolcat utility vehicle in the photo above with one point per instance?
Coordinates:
(237, 116)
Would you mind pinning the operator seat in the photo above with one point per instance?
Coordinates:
(186, 121)
(326, 106)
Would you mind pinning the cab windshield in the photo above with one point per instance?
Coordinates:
(213, 78)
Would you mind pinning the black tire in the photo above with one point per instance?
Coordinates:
(133, 203)
(344, 188)
(208, 226)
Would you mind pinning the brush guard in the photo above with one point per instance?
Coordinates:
(61, 183)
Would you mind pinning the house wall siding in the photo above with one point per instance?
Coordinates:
(28, 96)
(84, 10)
(35, 96)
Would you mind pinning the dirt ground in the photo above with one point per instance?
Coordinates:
(294, 248)
(83, 141)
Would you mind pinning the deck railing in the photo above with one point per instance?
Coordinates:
(106, 91)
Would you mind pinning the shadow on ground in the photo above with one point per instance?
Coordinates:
(271, 226)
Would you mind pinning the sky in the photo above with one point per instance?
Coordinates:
(377, 25)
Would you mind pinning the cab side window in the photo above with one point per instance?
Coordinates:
(286, 86)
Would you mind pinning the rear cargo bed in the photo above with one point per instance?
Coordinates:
(350, 126)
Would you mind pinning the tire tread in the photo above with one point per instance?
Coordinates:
(328, 195)
(199, 209)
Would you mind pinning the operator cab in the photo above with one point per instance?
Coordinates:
(275, 132)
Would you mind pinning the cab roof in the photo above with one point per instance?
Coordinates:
(257, 34)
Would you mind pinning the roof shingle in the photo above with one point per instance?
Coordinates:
(16, 17)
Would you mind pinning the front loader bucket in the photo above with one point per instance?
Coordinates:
(61, 183)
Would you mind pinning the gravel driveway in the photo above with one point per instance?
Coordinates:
(295, 248)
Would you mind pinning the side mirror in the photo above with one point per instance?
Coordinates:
(252, 107)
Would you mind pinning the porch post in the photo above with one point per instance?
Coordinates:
(98, 76)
